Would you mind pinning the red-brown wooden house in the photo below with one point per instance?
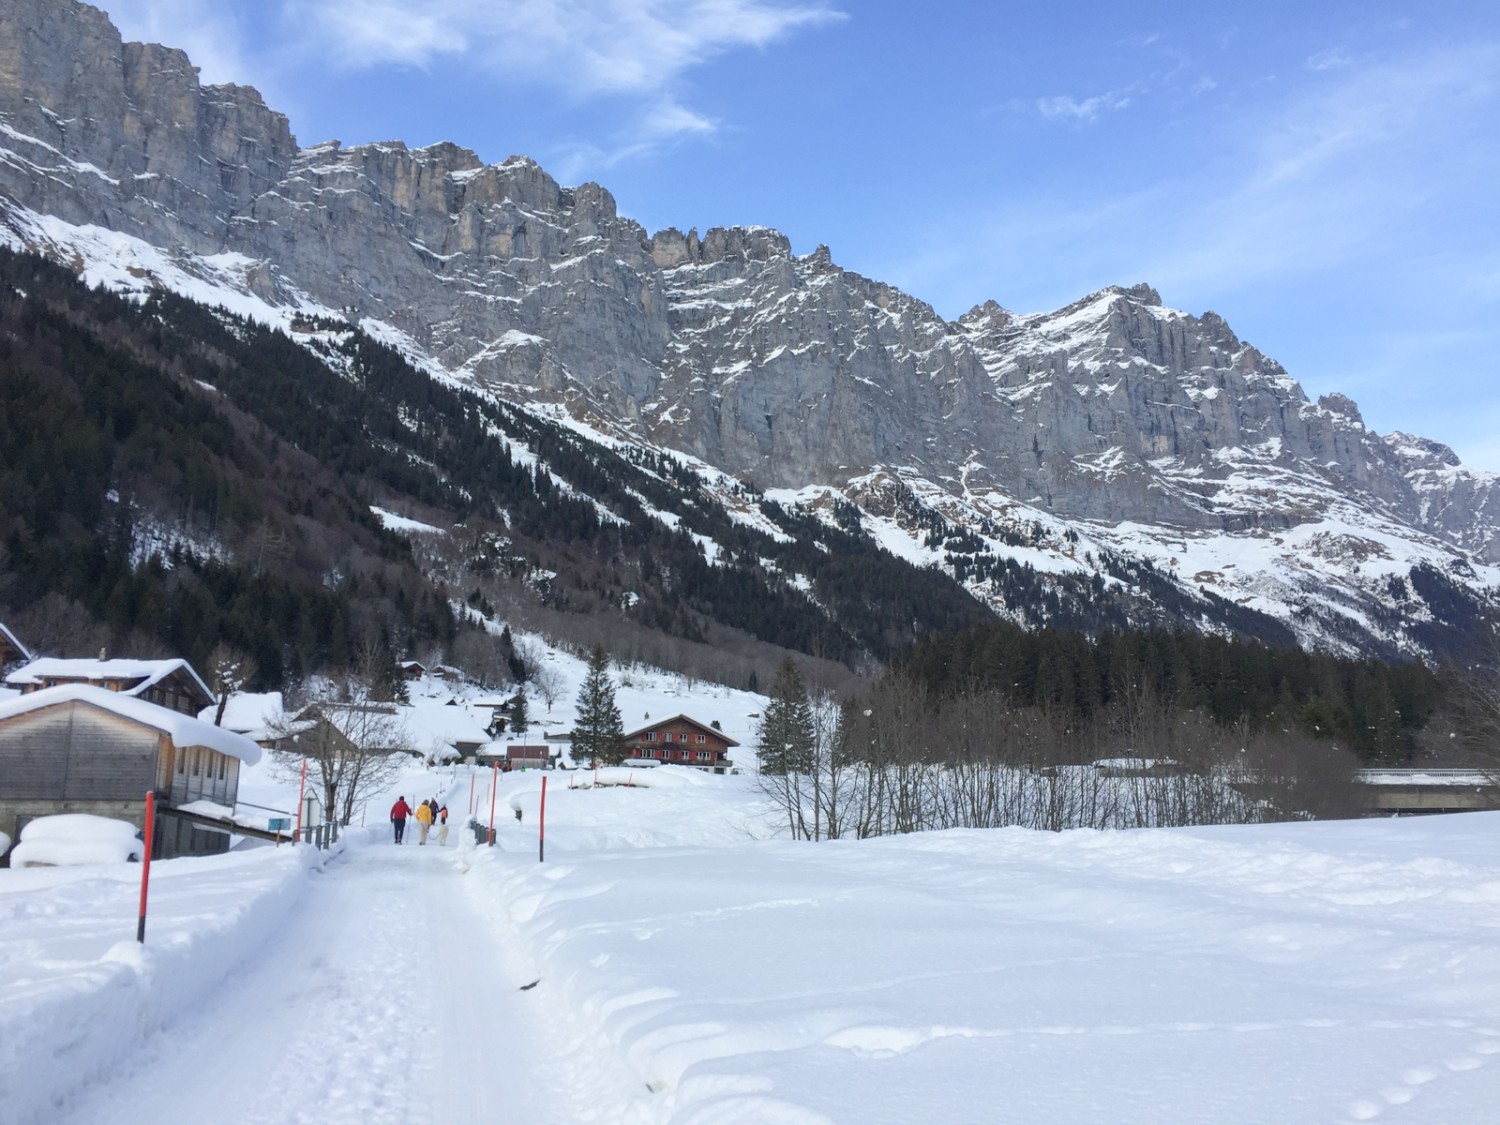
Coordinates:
(681, 741)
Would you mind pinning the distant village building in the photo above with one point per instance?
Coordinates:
(682, 741)
(168, 683)
(425, 729)
(498, 709)
(413, 669)
(83, 748)
(519, 757)
(12, 651)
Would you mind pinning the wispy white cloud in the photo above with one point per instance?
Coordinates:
(1081, 111)
(585, 46)
(1334, 173)
(659, 125)
(207, 30)
(1323, 177)
(1335, 58)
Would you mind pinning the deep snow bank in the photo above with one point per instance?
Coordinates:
(1277, 974)
(77, 993)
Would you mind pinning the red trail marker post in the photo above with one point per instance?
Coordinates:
(140, 926)
(541, 827)
(494, 788)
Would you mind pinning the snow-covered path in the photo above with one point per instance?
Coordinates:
(388, 997)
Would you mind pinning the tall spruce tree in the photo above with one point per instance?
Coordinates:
(519, 719)
(599, 736)
(786, 729)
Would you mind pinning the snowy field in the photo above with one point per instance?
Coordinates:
(690, 968)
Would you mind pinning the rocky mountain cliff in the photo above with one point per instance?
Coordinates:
(1068, 442)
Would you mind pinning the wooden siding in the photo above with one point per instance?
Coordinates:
(75, 753)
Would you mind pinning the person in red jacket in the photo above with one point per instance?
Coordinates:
(399, 812)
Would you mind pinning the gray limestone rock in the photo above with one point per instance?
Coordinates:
(782, 369)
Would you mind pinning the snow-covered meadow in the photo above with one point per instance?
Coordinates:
(702, 972)
(687, 963)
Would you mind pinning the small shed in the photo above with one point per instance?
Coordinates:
(682, 741)
(82, 748)
(518, 757)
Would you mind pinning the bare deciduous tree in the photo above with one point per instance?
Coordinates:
(353, 749)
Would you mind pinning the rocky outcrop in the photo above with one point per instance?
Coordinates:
(783, 369)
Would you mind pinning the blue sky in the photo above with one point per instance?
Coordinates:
(1326, 176)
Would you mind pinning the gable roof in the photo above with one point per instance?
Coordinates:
(9, 638)
(183, 730)
(682, 719)
(149, 672)
(372, 726)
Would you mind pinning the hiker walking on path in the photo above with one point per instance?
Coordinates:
(442, 815)
(424, 821)
(399, 812)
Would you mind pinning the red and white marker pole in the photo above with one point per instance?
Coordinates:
(494, 788)
(140, 926)
(541, 827)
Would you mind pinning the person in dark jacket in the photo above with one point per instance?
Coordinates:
(399, 812)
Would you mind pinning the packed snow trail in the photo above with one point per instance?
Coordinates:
(388, 997)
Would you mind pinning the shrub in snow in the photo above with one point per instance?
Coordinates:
(76, 838)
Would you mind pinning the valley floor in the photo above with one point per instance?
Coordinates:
(1315, 973)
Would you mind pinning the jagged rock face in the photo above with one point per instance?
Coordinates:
(782, 369)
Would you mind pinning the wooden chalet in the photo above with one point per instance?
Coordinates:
(82, 748)
(369, 727)
(681, 741)
(413, 669)
(167, 683)
(12, 651)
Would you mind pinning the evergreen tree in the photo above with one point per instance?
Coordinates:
(599, 736)
(786, 729)
(519, 719)
(379, 670)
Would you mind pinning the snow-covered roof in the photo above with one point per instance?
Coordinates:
(256, 715)
(10, 638)
(430, 721)
(375, 726)
(148, 672)
(183, 730)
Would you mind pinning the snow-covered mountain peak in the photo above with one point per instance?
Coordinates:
(778, 370)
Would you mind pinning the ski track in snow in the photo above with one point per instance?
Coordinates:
(386, 998)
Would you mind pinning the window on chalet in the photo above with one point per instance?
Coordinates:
(197, 762)
(703, 738)
(223, 760)
(704, 755)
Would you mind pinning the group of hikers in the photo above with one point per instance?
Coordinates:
(428, 813)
